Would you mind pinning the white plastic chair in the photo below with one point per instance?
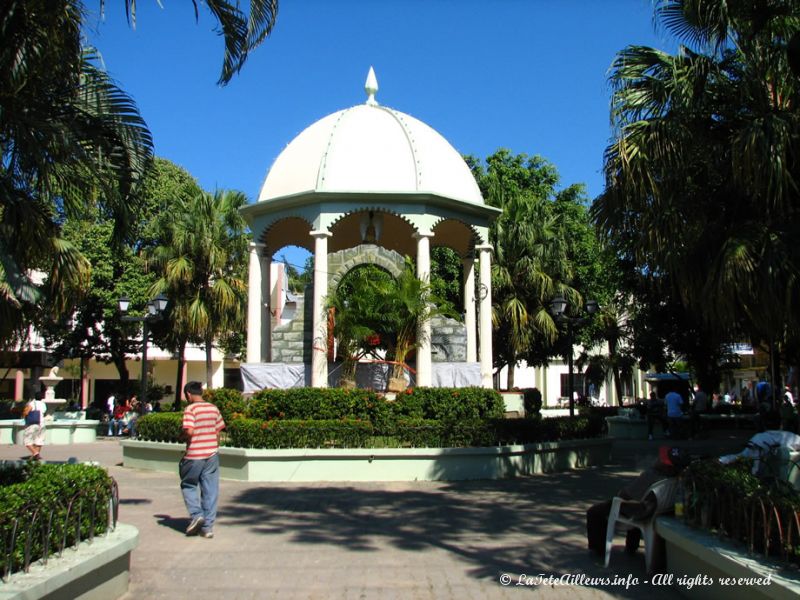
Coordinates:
(664, 491)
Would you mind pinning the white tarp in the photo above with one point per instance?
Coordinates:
(259, 376)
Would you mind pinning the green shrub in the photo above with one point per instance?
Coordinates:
(532, 401)
(734, 503)
(320, 404)
(492, 432)
(230, 402)
(6, 407)
(450, 404)
(35, 495)
(160, 427)
(257, 433)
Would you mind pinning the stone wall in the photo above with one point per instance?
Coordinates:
(448, 340)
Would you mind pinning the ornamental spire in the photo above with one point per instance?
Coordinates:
(371, 87)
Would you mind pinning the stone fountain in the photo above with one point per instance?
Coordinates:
(50, 381)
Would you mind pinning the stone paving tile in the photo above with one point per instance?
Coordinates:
(376, 540)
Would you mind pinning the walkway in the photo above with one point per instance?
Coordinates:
(378, 540)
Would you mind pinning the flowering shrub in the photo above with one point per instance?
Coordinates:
(230, 402)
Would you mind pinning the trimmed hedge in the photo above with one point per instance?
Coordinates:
(160, 427)
(332, 417)
(72, 498)
(255, 433)
(447, 404)
(320, 404)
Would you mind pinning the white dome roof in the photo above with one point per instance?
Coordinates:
(370, 149)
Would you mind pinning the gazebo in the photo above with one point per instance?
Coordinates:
(362, 184)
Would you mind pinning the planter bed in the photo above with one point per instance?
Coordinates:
(380, 464)
(693, 553)
(97, 569)
(57, 432)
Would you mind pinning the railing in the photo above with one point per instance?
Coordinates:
(41, 528)
(764, 515)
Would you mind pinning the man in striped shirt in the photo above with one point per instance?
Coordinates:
(199, 467)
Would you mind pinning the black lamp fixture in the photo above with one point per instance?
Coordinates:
(558, 308)
(155, 312)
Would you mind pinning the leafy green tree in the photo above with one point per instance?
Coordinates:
(92, 327)
(200, 264)
(70, 138)
(447, 275)
(531, 261)
(701, 177)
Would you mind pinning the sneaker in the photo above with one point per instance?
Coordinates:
(195, 526)
(207, 534)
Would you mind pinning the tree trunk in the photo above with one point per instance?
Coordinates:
(510, 382)
(617, 383)
(176, 406)
(122, 369)
(209, 370)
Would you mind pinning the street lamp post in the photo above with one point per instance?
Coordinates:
(558, 307)
(155, 310)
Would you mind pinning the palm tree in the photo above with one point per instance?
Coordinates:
(702, 176)
(530, 264)
(357, 305)
(242, 32)
(403, 304)
(69, 137)
(200, 263)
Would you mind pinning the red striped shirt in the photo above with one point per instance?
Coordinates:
(205, 420)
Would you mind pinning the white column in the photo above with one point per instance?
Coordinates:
(266, 306)
(469, 309)
(19, 385)
(485, 257)
(424, 362)
(254, 306)
(319, 331)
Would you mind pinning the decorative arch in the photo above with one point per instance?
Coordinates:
(396, 230)
(287, 231)
(342, 262)
(456, 234)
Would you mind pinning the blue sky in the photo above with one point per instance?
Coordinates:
(529, 75)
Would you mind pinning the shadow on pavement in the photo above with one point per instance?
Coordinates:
(531, 526)
(175, 523)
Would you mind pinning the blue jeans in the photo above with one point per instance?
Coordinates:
(200, 488)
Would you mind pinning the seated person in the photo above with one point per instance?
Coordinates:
(119, 419)
(670, 463)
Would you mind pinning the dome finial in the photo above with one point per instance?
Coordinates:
(371, 87)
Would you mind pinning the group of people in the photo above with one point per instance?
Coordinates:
(675, 413)
(123, 414)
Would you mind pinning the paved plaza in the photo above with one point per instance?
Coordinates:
(379, 540)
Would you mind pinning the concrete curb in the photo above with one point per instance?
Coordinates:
(96, 570)
(693, 553)
(380, 464)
